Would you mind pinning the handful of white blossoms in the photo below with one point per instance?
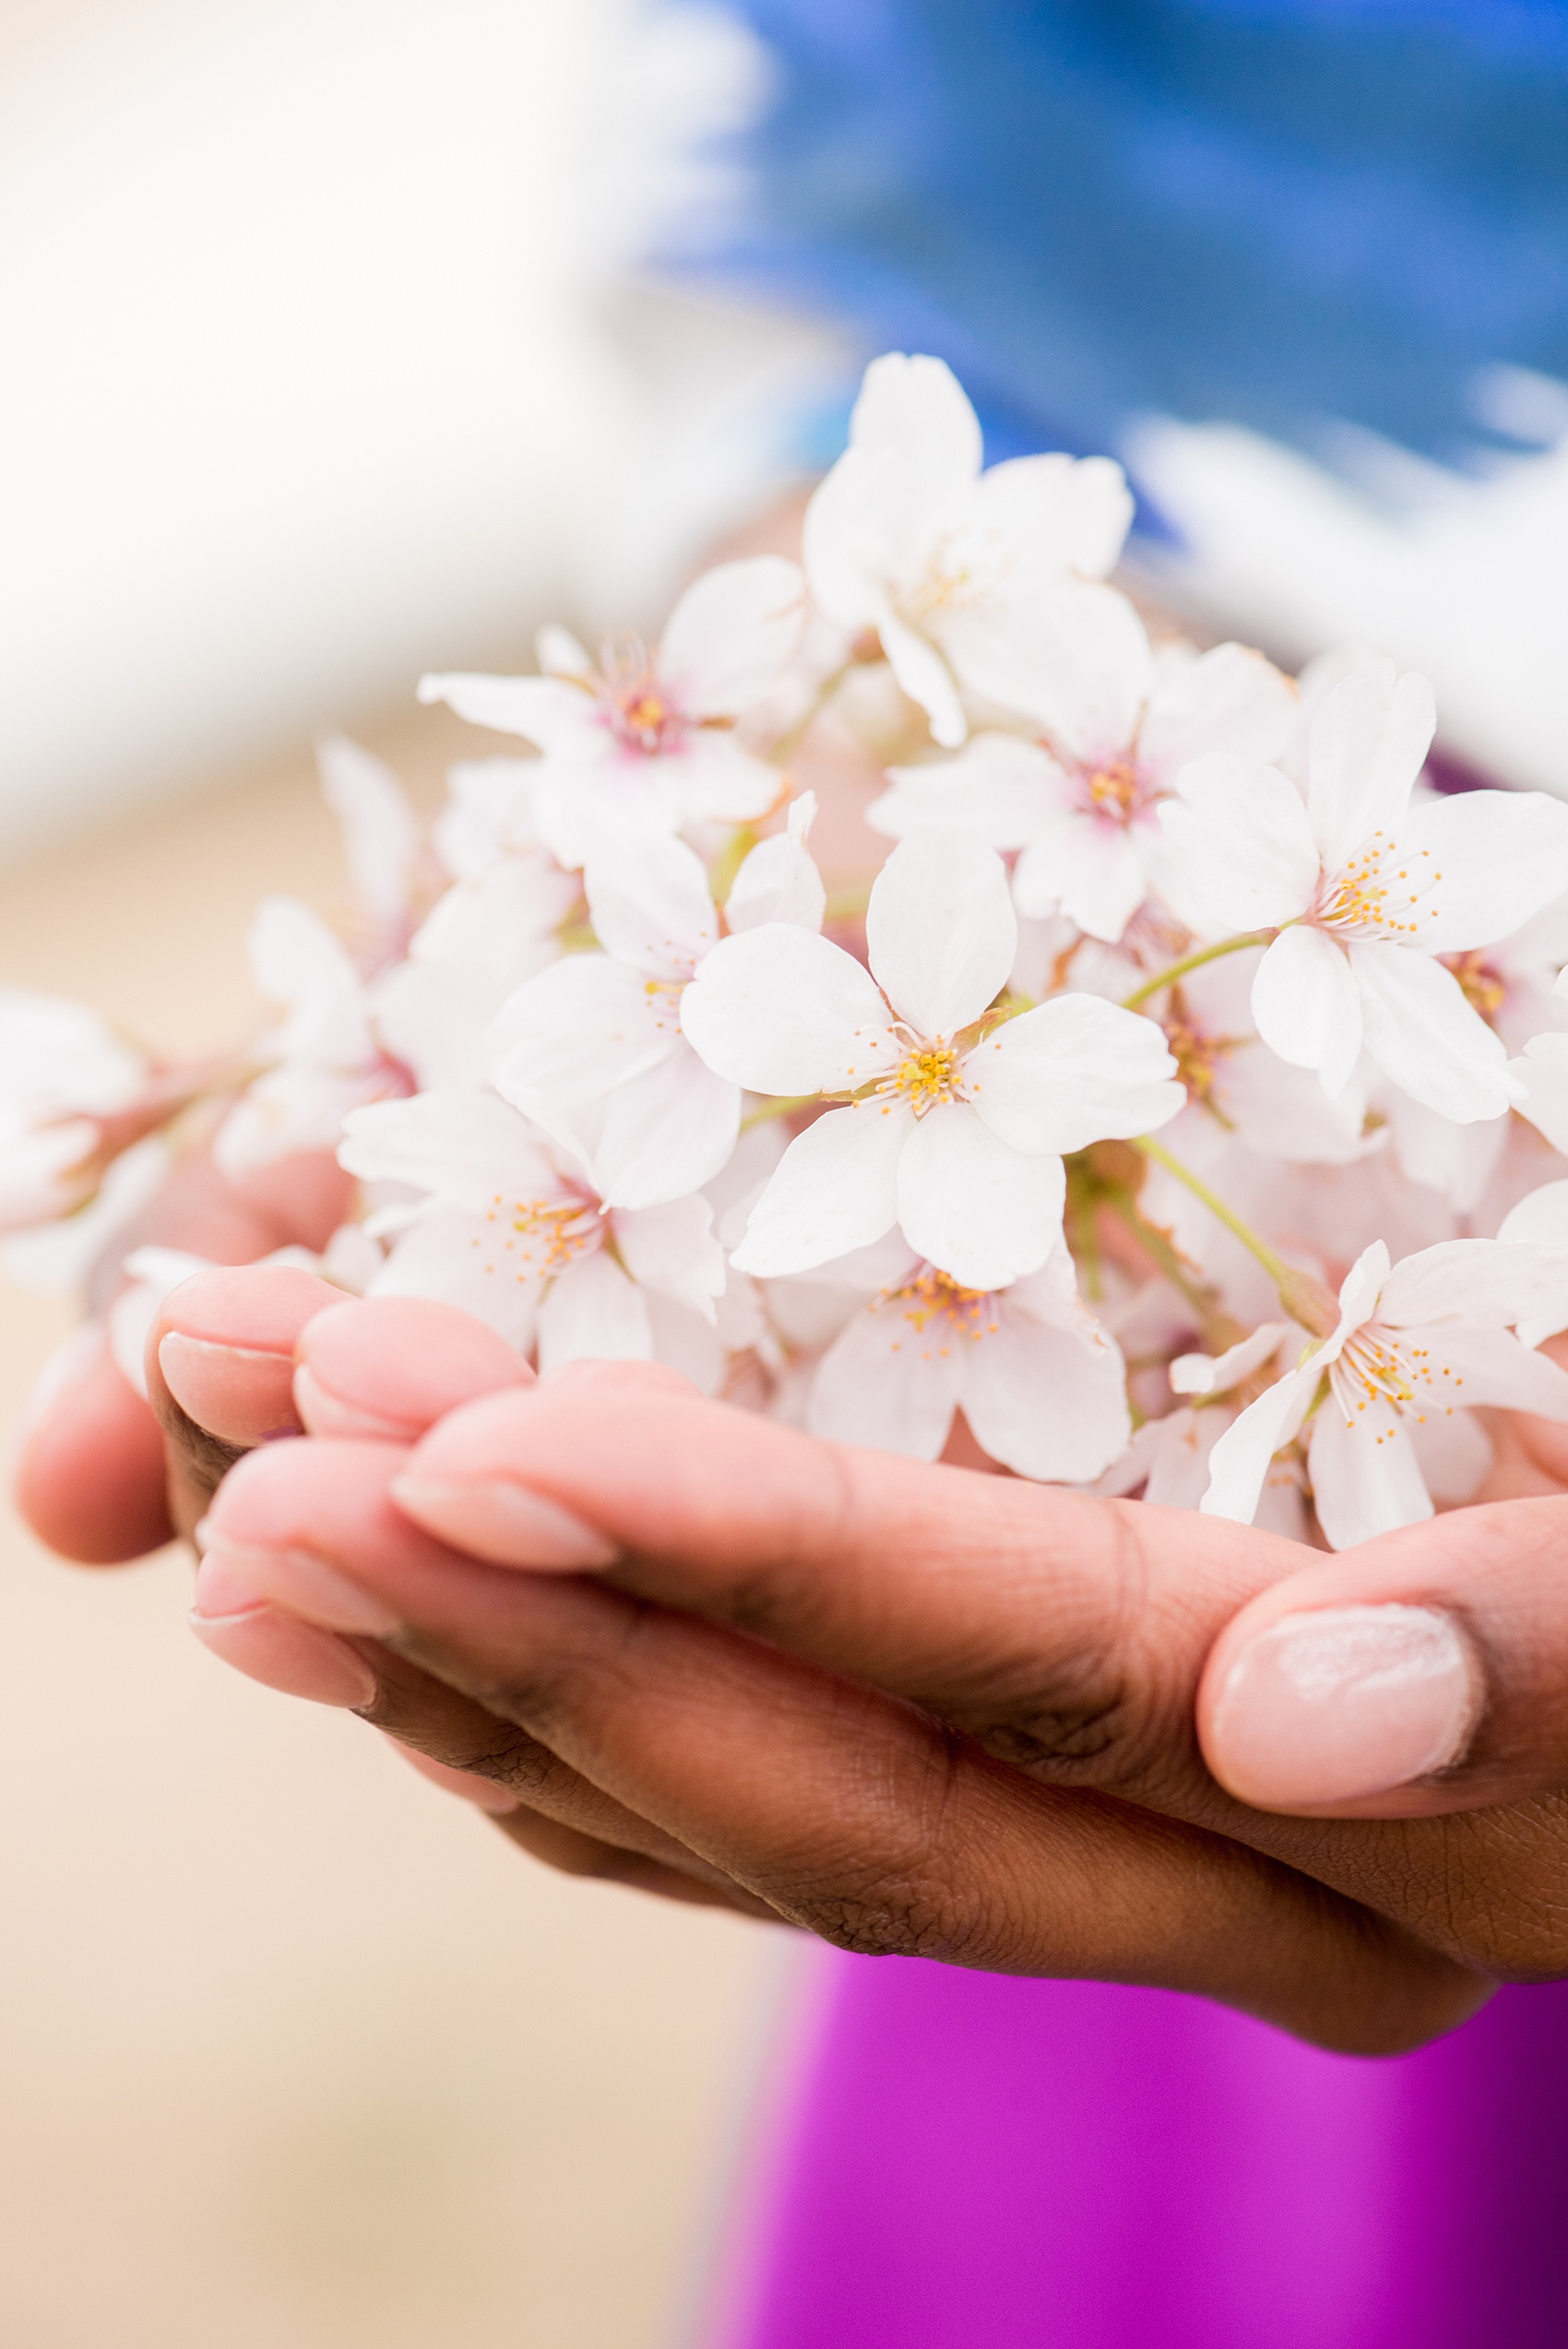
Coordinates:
(1182, 1000)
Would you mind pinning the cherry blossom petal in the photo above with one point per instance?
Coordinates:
(686, 1342)
(1182, 1447)
(1454, 1456)
(940, 930)
(781, 1010)
(890, 1379)
(1368, 742)
(1466, 1367)
(1217, 1373)
(581, 1027)
(1489, 1283)
(1307, 1006)
(730, 634)
(462, 1148)
(713, 780)
(1498, 859)
(1541, 1220)
(581, 804)
(1421, 1029)
(1360, 1293)
(1242, 853)
(1074, 1071)
(1239, 1462)
(380, 831)
(1227, 699)
(915, 412)
(846, 539)
(671, 1247)
(591, 1312)
(452, 1255)
(1086, 867)
(1541, 1071)
(972, 1206)
(1366, 1478)
(1074, 658)
(926, 678)
(779, 881)
(836, 1189)
(666, 1133)
(651, 906)
(998, 788)
(544, 710)
(560, 654)
(1067, 513)
(1044, 1400)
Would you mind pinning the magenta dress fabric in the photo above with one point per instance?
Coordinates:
(966, 2160)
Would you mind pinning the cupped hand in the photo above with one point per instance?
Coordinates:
(917, 1709)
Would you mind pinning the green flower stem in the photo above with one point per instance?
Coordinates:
(1305, 1300)
(1163, 978)
(1219, 1328)
(782, 1107)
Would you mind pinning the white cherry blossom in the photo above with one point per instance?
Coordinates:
(381, 841)
(1169, 1458)
(63, 1070)
(506, 1226)
(1083, 805)
(969, 578)
(1417, 1346)
(954, 1127)
(433, 1013)
(593, 1048)
(1042, 1386)
(323, 1059)
(1366, 893)
(647, 743)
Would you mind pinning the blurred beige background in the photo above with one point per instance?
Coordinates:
(295, 2053)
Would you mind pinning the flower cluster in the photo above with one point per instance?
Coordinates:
(1180, 1002)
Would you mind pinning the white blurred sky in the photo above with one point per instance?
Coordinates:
(320, 368)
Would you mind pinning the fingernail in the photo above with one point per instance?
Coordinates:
(502, 1522)
(325, 1414)
(283, 1652)
(242, 1394)
(296, 1580)
(1343, 1701)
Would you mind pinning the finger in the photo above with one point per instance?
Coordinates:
(390, 1366)
(463, 1744)
(840, 1808)
(89, 1473)
(1424, 1674)
(1066, 1635)
(219, 1372)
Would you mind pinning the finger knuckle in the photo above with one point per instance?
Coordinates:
(1110, 1708)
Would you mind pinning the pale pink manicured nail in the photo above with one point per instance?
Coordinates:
(296, 1580)
(502, 1522)
(325, 1414)
(283, 1652)
(242, 1394)
(1340, 1703)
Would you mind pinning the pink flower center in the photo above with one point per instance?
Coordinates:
(634, 705)
(938, 1310)
(1116, 788)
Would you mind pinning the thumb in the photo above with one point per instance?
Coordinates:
(1423, 1673)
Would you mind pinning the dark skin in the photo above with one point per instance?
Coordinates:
(909, 1708)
